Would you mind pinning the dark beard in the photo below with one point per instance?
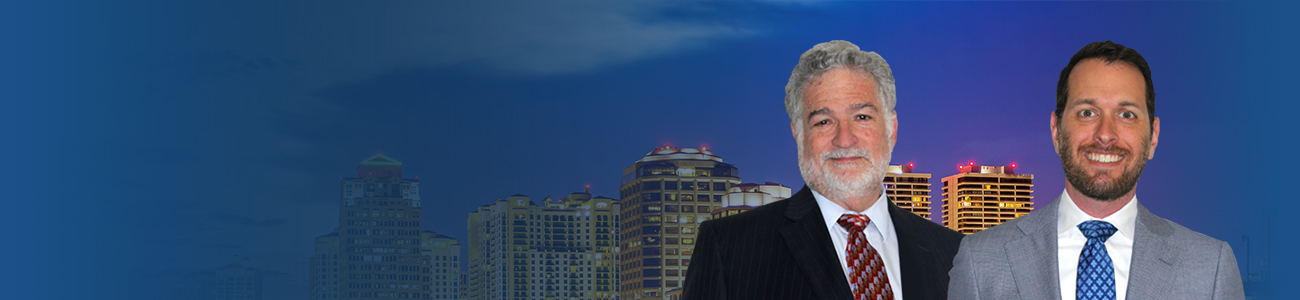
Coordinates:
(1102, 191)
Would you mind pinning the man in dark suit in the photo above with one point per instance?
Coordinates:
(839, 237)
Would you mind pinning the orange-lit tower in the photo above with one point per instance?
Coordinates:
(979, 197)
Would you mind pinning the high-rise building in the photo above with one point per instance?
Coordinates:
(980, 197)
(562, 249)
(910, 191)
(379, 234)
(443, 260)
(476, 276)
(234, 281)
(666, 195)
(464, 285)
(746, 196)
(237, 281)
(323, 268)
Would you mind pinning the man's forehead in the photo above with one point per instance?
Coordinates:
(841, 79)
(1097, 82)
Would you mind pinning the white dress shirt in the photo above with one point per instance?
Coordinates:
(880, 234)
(1070, 242)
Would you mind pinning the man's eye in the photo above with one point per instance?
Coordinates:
(1087, 113)
(863, 117)
(822, 122)
(1128, 115)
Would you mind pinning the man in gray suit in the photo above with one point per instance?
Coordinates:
(1095, 241)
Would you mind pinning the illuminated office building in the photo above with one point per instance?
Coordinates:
(379, 234)
(746, 196)
(666, 195)
(909, 191)
(980, 197)
(561, 249)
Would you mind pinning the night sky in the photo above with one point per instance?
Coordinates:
(155, 139)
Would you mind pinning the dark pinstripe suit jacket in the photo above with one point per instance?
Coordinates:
(783, 251)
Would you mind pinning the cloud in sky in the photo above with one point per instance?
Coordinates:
(527, 37)
(341, 40)
(267, 63)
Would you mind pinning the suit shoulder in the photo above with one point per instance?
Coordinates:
(1184, 235)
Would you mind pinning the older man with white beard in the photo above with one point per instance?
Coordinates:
(839, 237)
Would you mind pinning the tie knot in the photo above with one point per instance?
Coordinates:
(854, 222)
(1096, 229)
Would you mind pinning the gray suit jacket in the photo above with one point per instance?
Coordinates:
(1017, 260)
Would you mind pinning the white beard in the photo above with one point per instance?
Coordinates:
(836, 186)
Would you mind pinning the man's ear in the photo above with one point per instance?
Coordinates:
(1056, 145)
(893, 134)
(1155, 138)
(794, 133)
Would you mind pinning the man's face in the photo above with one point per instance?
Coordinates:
(845, 145)
(1104, 135)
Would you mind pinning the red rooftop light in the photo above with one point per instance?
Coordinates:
(1013, 165)
(972, 163)
(909, 165)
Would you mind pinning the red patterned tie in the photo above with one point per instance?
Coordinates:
(867, 275)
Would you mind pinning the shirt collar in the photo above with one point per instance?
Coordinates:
(878, 212)
(1070, 216)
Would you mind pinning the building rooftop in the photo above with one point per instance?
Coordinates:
(381, 160)
(668, 152)
(900, 169)
(438, 235)
(971, 167)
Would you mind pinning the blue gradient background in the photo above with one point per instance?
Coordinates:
(148, 140)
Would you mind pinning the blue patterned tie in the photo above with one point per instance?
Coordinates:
(1096, 279)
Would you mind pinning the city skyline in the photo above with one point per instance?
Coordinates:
(662, 167)
(202, 130)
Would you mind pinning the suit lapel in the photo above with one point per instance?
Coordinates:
(811, 245)
(1033, 256)
(1153, 258)
(911, 264)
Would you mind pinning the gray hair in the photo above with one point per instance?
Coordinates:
(839, 54)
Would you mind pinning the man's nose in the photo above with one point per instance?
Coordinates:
(1105, 133)
(844, 135)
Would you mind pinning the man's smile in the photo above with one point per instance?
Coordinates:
(1103, 157)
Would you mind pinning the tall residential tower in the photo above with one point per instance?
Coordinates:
(442, 254)
(910, 191)
(323, 269)
(379, 234)
(980, 197)
(561, 249)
